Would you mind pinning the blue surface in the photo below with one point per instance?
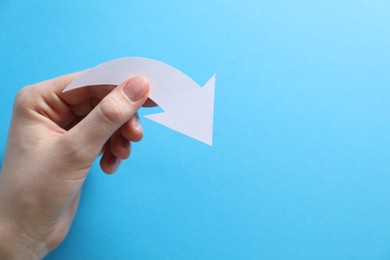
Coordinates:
(300, 167)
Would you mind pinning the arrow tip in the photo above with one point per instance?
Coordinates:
(185, 123)
(193, 115)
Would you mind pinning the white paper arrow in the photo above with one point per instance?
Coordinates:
(188, 108)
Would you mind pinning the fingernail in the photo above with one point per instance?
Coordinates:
(135, 88)
(137, 123)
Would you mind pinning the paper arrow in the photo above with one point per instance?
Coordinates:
(188, 108)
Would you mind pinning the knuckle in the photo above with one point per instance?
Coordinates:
(110, 110)
(23, 97)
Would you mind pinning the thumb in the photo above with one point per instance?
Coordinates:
(119, 106)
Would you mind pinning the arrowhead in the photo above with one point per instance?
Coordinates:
(192, 115)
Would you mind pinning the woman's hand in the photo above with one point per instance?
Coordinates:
(53, 140)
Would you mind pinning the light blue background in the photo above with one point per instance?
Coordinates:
(300, 167)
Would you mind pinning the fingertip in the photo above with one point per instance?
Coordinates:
(142, 80)
(132, 130)
(137, 127)
(120, 146)
(109, 163)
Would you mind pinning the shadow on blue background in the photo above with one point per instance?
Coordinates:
(300, 163)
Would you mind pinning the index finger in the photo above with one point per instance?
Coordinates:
(83, 94)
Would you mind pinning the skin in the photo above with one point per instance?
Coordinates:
(53, 140)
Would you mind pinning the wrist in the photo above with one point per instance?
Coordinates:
(15, 244)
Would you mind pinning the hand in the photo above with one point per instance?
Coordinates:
(53, 140)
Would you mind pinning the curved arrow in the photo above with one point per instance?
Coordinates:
(188, 108)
